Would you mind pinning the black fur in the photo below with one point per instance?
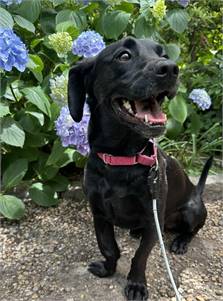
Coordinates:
(121, 195)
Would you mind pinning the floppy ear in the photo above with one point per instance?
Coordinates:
(78, 83)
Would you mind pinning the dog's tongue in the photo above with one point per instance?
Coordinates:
(150, 112)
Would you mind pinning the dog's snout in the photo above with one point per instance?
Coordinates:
(166, 68)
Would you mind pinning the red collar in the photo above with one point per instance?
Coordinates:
(130, 160)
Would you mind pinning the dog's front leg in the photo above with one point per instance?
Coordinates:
(108, 247)
(136, 288)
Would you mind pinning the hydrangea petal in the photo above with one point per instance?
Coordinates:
(201, 98)
(89, 43)
(13, 52)
(72, 133)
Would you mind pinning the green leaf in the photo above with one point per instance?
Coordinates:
(46, 172)
(78, 19)
(29, 10)
(11, 207)
(35, 63)
(196, 123)
(173, 51)
(6, 20)
(47, 21)
(4, 110)
(15, 87)
(114, 23)
(125, 6)
(36, 140)
(29, 123)
(3, 85)
(11, 132)
(60, 156)
(57, 2)
(178, 109)
(24, 23)
(79, 160)
(31, 154)
(43, 171)
(14, 173)
(38, 116)
(145, 6)
(178, 19)
(58, 183)
(43, 195)
(173, 128)
(69, 27)
(36, 96)
(143, 28)
(38, 75)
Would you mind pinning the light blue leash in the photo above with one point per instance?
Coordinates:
(163, 250)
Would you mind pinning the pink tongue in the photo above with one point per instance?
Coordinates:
(152, 116)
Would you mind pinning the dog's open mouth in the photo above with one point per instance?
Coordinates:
(147, 111)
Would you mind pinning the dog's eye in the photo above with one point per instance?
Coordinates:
(165, 56)
(124, 56)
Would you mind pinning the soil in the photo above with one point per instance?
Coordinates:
(44, 256)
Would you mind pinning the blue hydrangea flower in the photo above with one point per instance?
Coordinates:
(71, 132)
(85, 2)
(184, 3)
(10, 2)
(89, 43)
(13, 52)
(200, 98)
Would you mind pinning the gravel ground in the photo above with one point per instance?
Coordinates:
(44, 257)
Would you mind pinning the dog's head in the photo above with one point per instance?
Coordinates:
(129, 80)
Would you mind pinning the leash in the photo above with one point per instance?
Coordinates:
(154, 176)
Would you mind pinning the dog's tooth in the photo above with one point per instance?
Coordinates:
(130, 110)
(146, 118)
(127, 105)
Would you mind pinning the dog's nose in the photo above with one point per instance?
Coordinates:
(166, 68)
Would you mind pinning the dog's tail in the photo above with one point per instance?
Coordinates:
(203, 177)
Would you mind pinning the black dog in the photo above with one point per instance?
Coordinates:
(125, 84)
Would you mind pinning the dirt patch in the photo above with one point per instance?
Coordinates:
(44, 257)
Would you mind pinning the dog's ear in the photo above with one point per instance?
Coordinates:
(78, 85)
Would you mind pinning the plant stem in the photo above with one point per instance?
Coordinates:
(11, 88)
(194, 153)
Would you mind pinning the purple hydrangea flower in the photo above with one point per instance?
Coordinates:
(10, 2)
(71, 132)
(89, 43)
(85, 2)
(201, 98)
(13, 52)
(184, 3)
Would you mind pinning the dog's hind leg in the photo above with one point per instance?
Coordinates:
(108, 247)
(136, 287)
(192, 220)
(191, 217)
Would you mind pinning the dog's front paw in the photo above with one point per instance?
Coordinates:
(98, 268)
(179, 246)
(136, 291)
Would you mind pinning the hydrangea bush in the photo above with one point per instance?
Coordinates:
(40, 40)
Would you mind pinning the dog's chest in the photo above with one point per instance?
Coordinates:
(120, 196)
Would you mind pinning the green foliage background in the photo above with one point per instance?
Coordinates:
(31, 151)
